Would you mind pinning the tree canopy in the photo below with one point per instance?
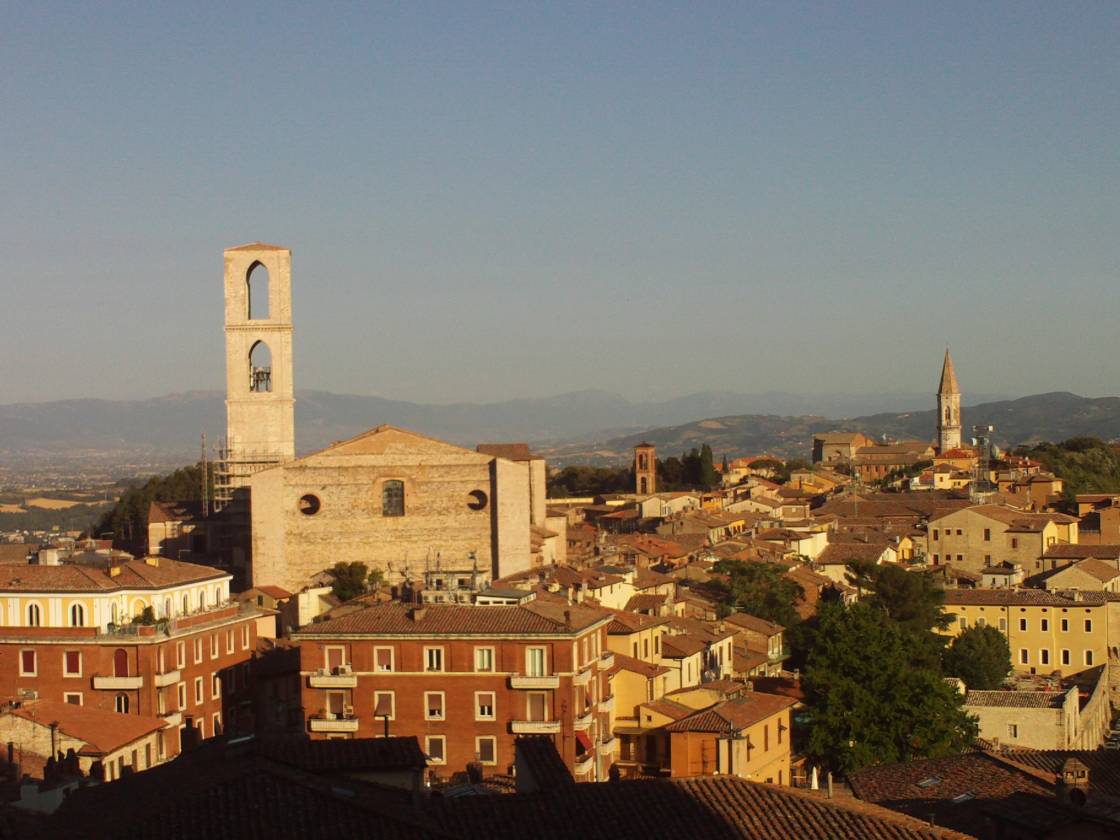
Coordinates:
(980, 656)
(1085, 464)
(128, 518)
(762, 589)
(873, 698)
(353, 579)
(911, 599)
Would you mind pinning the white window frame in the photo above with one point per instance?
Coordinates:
(392, 704)
(1088, 625)
(529, 651)
(215, 686)
(392, 659)
(493, 706)
(215, 646)
(199, 691)
(1044, 656)
(68, 694)
(493, 659)
(180, 655)
(439, 650)
(478, 752)
(1064, 626)
(442, 739)
(327, 656)
(1024, 656)
(72, 674)
(35, 654)
(197, 649)
(1066, 659)
(229, 641)
(244, 636)
(442, 705)
(181, 696)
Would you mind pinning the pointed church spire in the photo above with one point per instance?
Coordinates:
(948, 377)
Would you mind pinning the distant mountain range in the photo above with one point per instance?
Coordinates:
(1055, 416)
(584, 425)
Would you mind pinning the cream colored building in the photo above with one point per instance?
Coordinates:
(394, 500)
(981, 536)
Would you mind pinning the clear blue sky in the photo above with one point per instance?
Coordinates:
(497, 201)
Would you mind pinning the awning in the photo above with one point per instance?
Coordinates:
(583, 741)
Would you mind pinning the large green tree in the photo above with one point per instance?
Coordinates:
(353, 579)
(127, 520)
(873, 700)
(708, 476)
(980, 656)
(761, 589)
(911, 599)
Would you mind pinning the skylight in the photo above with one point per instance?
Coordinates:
(929, 781)
(964, 797)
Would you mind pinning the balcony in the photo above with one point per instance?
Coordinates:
(584, 765)
(334, 723)
(341, 677)
(534, 682)
(607, 704)
(172, 719)
(584, 721)
(583, 677)
(607, 747)
(118, 683)
(166, 679)
(606, 660)
(535, 727)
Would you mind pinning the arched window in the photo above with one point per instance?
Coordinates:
(121, 704)
(77, 616)
(256, 289)
(120, 662)
(260, 368)
(113, 610)
(186, 604)
(202, 600)
(392, 498)
(167, 608)
(33, 616)
(217, 595)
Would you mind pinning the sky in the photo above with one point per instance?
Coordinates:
(495, 201)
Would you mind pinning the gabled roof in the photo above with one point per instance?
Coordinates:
(543, 762)
(103, 731)
(509, 451)
(747, 709)
(750, 622)
(134, 574)
(358, 754)
(532, 618)
(391, 445)
(622, 662)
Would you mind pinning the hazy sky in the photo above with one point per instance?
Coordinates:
(497, 201)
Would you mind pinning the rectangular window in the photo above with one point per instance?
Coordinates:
(181, 691)
(384, 704)
(433, 705)
(1024, 656)
(433, 659)
(534, 662)
(484, 659)
(645, 648)
(936, 559)
(197, 650)
(657, 644)
(1065, 656)
(1045, 624)
(198, 691)
(484, 705)
(72, 663)
(28, 664)
(213, 645)
(960, 558)
(1088, 625)
(1088, 657)
(959, 532)
(487, 749)
(216, 687)
(1012, 730)
(936, 534)
(383, 658)
(964, 623)
(245, 637)
(765, 737)
(987, 535)
(1064, 625)
(229, 640)
(536, 706)
(1044, 656)
(1003, 625)
(1022, 624)
(334, 657)
(981, 622)
(180, 654)
(74, 698)
(436, 748)
(216, 723)
(1014, 542)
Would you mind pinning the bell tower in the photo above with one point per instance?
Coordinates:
(260, 402)
(948, 407)
(645, 469)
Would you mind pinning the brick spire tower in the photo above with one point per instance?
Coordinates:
(948, 407)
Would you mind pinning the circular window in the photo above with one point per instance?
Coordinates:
(476, 500)
(309, 504)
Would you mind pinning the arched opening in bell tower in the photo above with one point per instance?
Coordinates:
(256, 290)
(260, 368)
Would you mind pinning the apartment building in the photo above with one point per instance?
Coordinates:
(465, 680)
(1046, 631)
(982, 536)
(151, 637)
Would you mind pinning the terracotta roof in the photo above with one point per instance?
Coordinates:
(371, 754)
(532, 618)
(1077, 551)
(16, 553)
(276, 592)
(679, 647)
(636, 666)
(1098, 569)
(646, 602)
(948, 384)
(1104, 766)
(1019, 597)
(509, 451)
(547, 768)
(669, 708)
(750, 622)
(841, 554)
(174, 511)
(102, 731)
(1016, 699)
(624, 623)
(134, 574)
(740, 712)
(714, 808)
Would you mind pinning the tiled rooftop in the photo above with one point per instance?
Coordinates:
(533, 618)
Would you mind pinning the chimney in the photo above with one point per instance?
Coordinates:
(1073, 783)
(567, 618)
(417, 613)
(48, 557)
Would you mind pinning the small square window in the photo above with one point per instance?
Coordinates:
(74, 698)
(487, 749)
(484, 705)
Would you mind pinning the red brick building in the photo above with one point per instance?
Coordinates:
(67, 635)
(465, 680)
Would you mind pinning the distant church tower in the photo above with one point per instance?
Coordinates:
(948, 407)
(260, 403)
(645, 469)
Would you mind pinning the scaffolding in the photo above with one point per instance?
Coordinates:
(233, 468)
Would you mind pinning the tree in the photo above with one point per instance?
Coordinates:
(981, 657)
(128, 518)
(873, 701)
(708, 477)
(911, 599)
(350, 580)
(762, 589)
(591, 481)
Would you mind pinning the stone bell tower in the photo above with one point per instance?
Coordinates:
(260, 402)
(948, 407)
(645, 469)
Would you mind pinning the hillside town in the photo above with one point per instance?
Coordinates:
(398, 636)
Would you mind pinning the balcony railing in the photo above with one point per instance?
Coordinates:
(172, 719)
(583, 677)
(607, 659)
(165, 679)
(585, 764)
(522, 681)
(341, 677)
(117, 683)
(608, 745)
(334, 723)
(584, 721)
(607, 704)
(535, 727)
